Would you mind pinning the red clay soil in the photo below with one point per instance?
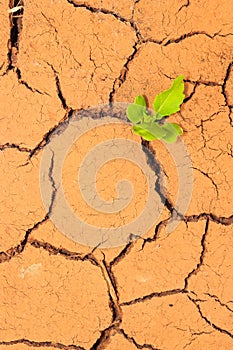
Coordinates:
(160, 291)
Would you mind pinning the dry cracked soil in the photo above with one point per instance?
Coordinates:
(160, 290)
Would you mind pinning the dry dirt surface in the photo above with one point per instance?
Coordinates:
(159, 291)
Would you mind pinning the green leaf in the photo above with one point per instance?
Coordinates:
(169, 101)
(140, 100)
(178, 128)
(147, 118)
(142, 132)
(155, 129)
(157, 116)
(172, 131)
(150, 131)
(135, 112)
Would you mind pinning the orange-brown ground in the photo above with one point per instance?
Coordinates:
(160, 291)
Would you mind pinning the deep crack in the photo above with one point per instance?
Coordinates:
(157, 168)
(189, 35)
(204, 216)
(16, 25)
(23, 82)
(46, 138)
(154, 295)
(37, 344)
(102, 10)
(122, 254)
(113, 292)
(227, 75)
(201, 259)
(123, 73)
(59, 90)
(8, 145)
(186, 99)
(103, 339)
(156, 232)
(14, 251)
(67, 254)
(187, 4)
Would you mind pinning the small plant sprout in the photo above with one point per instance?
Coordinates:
(152, 126)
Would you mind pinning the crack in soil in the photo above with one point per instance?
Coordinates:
(154, 295)
(215, 297)
(201, 82)
(8, 145)
(16, 25)
(23, 82)
(46, 137)
(67, 254)
(113, 305)
(133, 10)
(195, 82)
(18, 249)
(41, 344)
(157, 168)
(187, 4)
(201, 259)
(186, 99)
(210, 178)
(224, 92)
(102, 10)
(122, 254)
(227, 75)
(113, 292)
(219, 329)
(119, 81)
(51, 179)
(191, 34)
(157, 230)
(133, 341)
(59, 90)
(104, 338)
(204, 216)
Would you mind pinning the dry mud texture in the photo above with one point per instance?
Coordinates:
(161, 291)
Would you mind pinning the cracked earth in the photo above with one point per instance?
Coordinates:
(159, 291)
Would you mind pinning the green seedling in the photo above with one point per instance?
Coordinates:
(152, 126)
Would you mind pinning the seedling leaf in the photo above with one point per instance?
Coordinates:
(178, 128)
(147, 117)
(169, 101)
(135, 112)
(139, 100)
(151, 130)
(144, 133)
(148, 125)
(172, 131)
